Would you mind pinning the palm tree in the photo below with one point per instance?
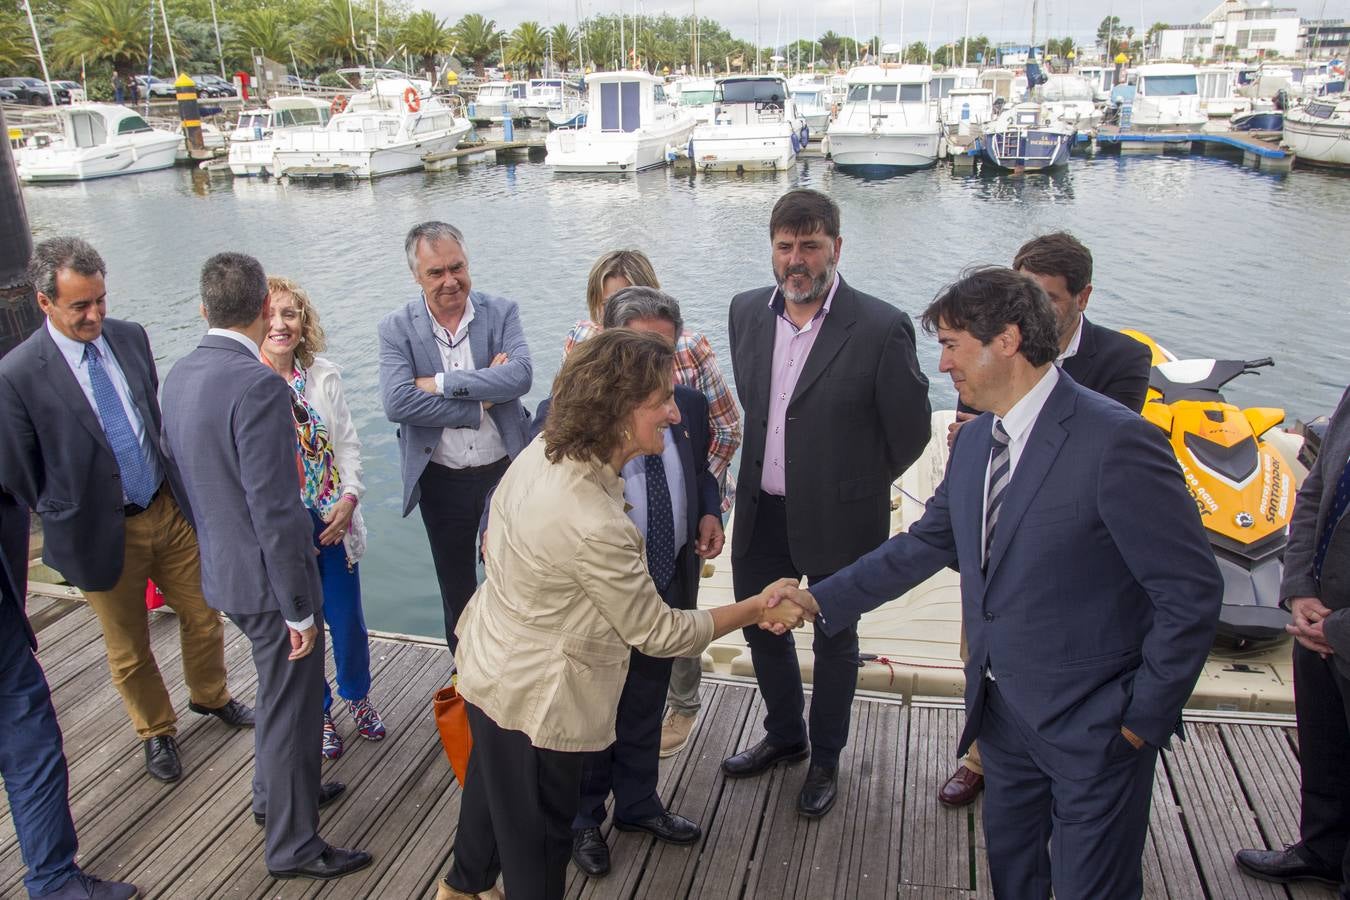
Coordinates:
(116, 32)
(830, 45)
(527, 46)
(476, 39)
(564, 45)
(266, 30)
(426, 36)
(16, 48)
(338, 30)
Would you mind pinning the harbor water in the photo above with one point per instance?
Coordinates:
(1209, 258)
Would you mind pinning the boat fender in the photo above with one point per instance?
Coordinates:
(690, 148)
(411, 100)
(338, 105)
(796, 143)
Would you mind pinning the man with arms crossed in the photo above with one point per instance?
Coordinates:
(1089, 595)
(835, 410)
(229, 426)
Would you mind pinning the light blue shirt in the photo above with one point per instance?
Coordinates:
(634, 474)
(73, 352)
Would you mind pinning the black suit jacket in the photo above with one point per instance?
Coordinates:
(55, 458)
(13, 577)
(1311, 511)
(702, 498)
(857, 419)
(1114, 365)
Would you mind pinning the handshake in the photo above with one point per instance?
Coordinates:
(786, 605)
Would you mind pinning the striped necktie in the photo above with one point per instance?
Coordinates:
(1000, 471)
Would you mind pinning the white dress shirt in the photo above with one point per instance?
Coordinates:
(634, 474)
(247, 343)
(73, 353)
(462, 448)
(1072, 349)
(1018, 423)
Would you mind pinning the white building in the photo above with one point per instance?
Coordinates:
(1244, 30)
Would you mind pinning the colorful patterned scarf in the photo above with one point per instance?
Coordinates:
(320, 482)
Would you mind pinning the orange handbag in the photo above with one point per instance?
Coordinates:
(452, 720)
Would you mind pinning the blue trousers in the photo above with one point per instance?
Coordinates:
(32, 762)
(346, 621)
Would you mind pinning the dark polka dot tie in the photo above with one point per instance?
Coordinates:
(660, 525)
(1339, 503)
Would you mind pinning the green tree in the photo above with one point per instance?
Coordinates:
(16, 44)
(268, 31)
(830, 44)
(1109, 27)
(426, 37)
(476, 39)
(916, 52)
(527, 46)
(564, 45)
(115, 32)
(338, 31)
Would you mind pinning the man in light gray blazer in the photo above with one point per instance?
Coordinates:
(453, 367)
(228, 423)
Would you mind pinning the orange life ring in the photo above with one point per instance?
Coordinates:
(411, 100)
(338, 104)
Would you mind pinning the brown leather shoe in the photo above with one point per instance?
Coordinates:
(962, 788)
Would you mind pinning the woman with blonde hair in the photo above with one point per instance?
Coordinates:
(695, 367)
(545, 642)
(329, 469)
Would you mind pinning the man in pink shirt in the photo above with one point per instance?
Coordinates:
(835, 410)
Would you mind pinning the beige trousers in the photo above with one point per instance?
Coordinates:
(972, 758)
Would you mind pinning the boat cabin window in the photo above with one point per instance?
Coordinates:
(303, 116)
(807, 98)
(761, 92)
(696, 98)
(87, 130)
(1028, 117)
(620, 106)
(248, 123)
(1167, 86)
(658, 94)
(132, 125)
(518, 90)
(432, 123)
(941, 86)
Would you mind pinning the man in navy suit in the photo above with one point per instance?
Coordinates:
(453, 367)
(1089, 595)
(1114, 365)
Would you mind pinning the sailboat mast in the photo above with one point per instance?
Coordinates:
(42, 57)
(168, 39)
(220, 52)
(965, 40)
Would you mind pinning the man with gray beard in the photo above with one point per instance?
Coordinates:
(835, 410)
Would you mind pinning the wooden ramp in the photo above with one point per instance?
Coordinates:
(1233, 784)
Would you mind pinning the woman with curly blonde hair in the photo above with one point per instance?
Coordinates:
(329, 464)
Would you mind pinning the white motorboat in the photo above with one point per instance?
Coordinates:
(815, 100)
(757, 128)
(386, 129)
(547, 98)
(1167, 98)
(1071, 99)
(1102, 79)
(498, 101)
(941, 85)
(251, 144)
(966, 111)
(1319, 131)
(1218, 93)
(630, 127)
(887, 122)
(97, 140)
(696, 95)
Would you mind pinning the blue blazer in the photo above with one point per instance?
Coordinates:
(408, 350)
(702, 498)
(1101, 597)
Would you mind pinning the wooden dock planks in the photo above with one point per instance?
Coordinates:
(1229, 786)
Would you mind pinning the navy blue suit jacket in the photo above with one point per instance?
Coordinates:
(702, 498)
(1101, 596)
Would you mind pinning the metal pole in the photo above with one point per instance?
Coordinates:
(42, 57)
(965, 41)
(168, 39)
(296, 65)
(219, 52)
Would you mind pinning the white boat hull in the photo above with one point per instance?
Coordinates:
(737, 148)
(875, 149)
(251, 158)
(1325, 144)
(581, 150)
(342, 153)
(85, 164)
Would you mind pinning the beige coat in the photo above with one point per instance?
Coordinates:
(544, 643)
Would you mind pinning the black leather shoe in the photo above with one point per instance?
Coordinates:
(161, 758)
(1284, 866)
(328, 792)
(234, 713)
(818, 792)
(333, 862)
(590, 852)
(761, 757)
(666, 827)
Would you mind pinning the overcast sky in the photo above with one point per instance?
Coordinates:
(781, 22)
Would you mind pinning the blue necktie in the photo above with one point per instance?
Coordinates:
(137, 479)
(1338, 506)
(660, 525)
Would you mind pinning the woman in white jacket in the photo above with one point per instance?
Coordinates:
(328, 464)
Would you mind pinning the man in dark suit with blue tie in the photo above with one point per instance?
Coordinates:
(1316, 589)
(80, 443)
(229, 425)
(1089, 595)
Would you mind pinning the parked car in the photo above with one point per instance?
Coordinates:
(214, 86)
(158, 87)
(33, 90)
(73, 88)
(296, 83)
(8, 96)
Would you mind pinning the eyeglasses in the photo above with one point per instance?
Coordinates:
(298, 411)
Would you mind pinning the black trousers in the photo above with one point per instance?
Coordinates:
(775, 656)
(515, 818)
(452, 506)
(1322, 705)
(630, 765)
